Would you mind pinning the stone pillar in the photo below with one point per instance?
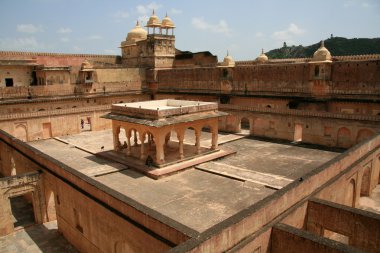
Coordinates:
(135, 137)
(116, 141)
(128, 133)
(198, 141)
(180, 136)
(167, 138)
(6, 223)
(160, 154)
(214, 141)
(142, 147)
(149, 141)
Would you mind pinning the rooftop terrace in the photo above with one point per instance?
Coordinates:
(197, 198)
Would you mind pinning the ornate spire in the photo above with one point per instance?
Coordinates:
(228, 53)
(322, 43)
(262, 51)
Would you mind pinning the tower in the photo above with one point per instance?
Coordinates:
(154, 48)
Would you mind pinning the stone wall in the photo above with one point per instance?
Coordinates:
(323, 128)
(91, 217)
(250, 229)
(280, 79)
(21, 75)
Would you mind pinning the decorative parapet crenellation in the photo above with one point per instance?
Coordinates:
(26, 115)
(33, 54)
(366, 57)
(19, 180)
(301, 113)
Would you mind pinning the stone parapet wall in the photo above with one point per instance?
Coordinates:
(257, 219)
(26, 115)
(67, 90)
(301, 113)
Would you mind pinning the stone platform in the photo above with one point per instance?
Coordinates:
(168, 168)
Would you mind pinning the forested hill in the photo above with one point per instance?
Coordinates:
(337, 46)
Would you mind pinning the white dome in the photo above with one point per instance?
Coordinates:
(228, 61)
(136, 34)
(262, 57)
(322, 54)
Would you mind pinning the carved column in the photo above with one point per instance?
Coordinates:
(214, 141)
(128, 133)
(198, 141)
(142, 147)
(135, 137)
(116, 141)
(160, 154)
(180, 136)
(167, 138)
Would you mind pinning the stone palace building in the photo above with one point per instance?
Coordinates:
(159, 150)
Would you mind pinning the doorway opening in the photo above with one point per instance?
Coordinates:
(297, 133)
(9, 82)
(22, 211)
(244, 126)
(85, 123)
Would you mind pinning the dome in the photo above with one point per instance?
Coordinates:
(137, 33)
(322, 54)
(228, 61)
(153, 21)
(86, 65)
(167, 22)
(262, 57)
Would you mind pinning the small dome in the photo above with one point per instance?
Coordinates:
(228, 61)
(86, 65)
(137, 33)
(322, 54)
(153, 21)
(167, 22)
(262, 57)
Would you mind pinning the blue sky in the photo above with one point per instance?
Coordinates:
(242, 26)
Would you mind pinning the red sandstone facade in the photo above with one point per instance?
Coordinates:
(333, 103)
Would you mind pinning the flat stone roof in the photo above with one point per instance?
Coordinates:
(165, 121)
(157, 109)
(196, 198)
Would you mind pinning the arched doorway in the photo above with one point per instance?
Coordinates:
(123, 138)
(364, 134)
(21, 132)
(297, 132)
(344, 137)
(245, 126)
(351, 194)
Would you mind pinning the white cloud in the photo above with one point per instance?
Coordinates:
(145, 11)
(148, 8)
(29, 28)
(220, 27)
(259, 35)
(121, 14)
(95, 37)
(22, 44)
(110, 51)
(64, 39)
(289, 33)
(354, 3)
(64, 30)
(175, 11)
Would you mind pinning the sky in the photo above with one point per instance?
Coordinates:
(243, 27)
